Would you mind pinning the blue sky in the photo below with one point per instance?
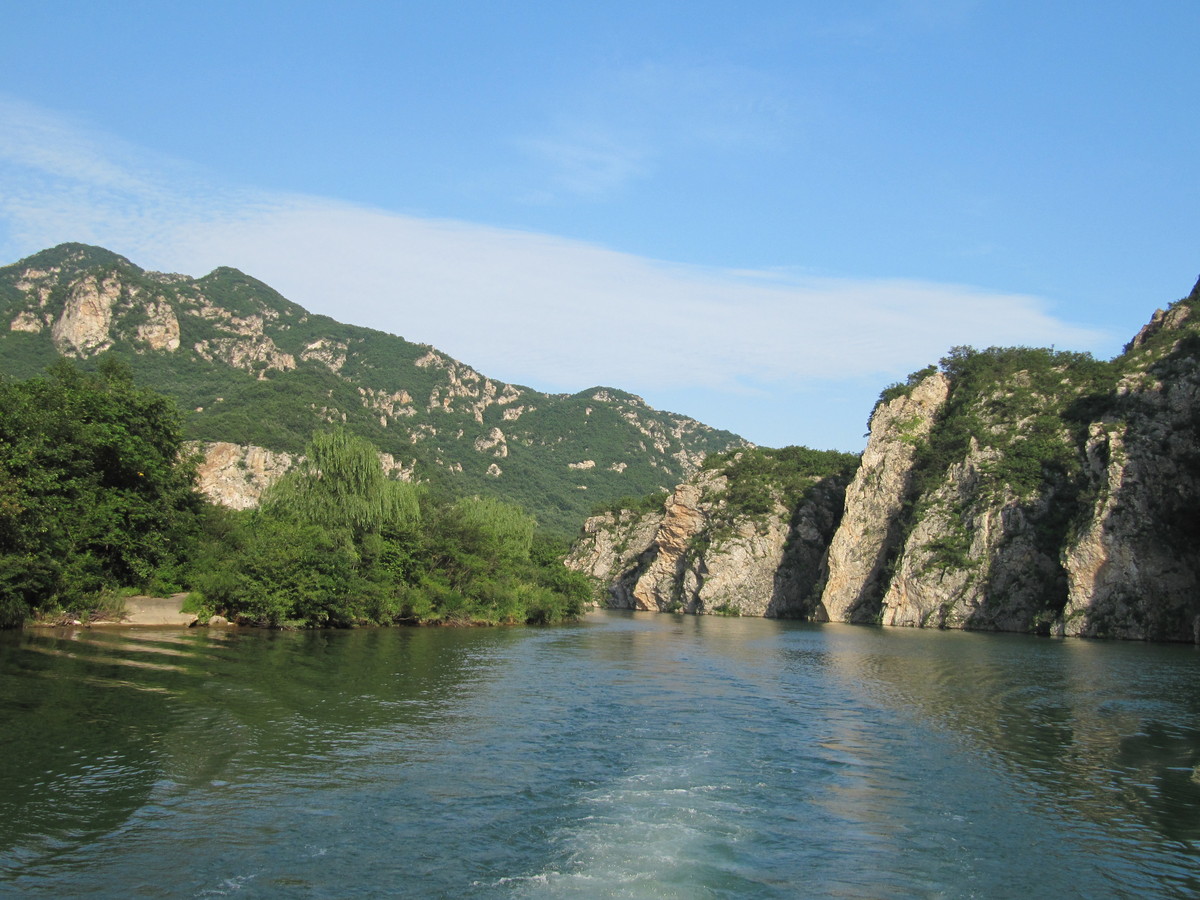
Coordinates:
(755, 214)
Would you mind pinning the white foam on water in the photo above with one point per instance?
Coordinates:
(662, 833)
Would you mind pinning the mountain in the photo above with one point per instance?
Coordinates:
(1009, 489)
(249, 367)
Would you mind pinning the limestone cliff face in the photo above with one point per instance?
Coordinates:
(702, 553)
(608, 548)
(973, 560)
(1134, 566)
(870, 529)
(1051, 494)
(83, 327)
(672, 568)
(1013, 490)
(236, 475)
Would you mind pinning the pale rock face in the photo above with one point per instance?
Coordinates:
(83, 329)
(691, 557)
(236, 475)
(466, 389)
(492, 442)
(161, 328)
(329, 353)
(656, 588)
(611, 542)
(1000, 586)
(1161, 320)
(1132, 572)
(252, 352)
(26, 321)
(583, 464)
(394, 468)
(874, 499)
(739, 572)
(391, 405)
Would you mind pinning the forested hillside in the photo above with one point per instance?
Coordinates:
(248, 366)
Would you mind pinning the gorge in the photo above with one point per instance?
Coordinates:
(1009, 489)
(1005, 489)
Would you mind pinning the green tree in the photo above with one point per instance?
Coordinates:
(95, 491)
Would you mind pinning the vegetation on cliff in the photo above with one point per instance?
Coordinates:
(97, 495)
(760, 478)
(1009, 488)
(744, 536)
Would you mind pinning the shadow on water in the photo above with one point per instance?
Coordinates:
(105, 731)
(1103, 736)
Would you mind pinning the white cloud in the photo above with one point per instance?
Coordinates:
(536, 309)
(625, 121)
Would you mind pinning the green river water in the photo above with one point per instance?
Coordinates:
(629, 755)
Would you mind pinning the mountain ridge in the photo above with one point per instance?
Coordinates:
(249, 366)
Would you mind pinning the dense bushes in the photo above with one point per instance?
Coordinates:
(96, 497)
(94, 494)
(334, 542)
(760, 477)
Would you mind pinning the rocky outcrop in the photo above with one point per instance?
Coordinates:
(493, 443)
(973, 560)
(703, 553)
(236, 475)
(160, 331)
(870, 531)
(672, 574)
(1014, 490)
(1059, 498)
(609, 547)
(84, 326)
(1134, 568)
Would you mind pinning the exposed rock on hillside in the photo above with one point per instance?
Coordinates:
(711, 549)
(1014, 490)
(1134, 567)
(870, 530)
(250, 367)
(235, 475)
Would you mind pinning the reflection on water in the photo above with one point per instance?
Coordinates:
(629, 755)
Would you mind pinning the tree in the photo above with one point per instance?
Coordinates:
(96, 492)
(340, 484)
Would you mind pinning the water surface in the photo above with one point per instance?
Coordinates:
(625, 756)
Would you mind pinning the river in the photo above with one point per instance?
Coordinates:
(628, 755)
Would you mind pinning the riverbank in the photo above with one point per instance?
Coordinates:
(136, 611)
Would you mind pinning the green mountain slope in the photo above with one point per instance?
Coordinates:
(249, 366)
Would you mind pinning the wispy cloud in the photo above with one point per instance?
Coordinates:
(619, 125)
(531, 308)
(587, 163)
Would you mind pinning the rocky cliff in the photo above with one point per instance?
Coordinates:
(249, 367)
(1046, 492)
(1009, 489)
(739, 538)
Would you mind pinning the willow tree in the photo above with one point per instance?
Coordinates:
(340, 484)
